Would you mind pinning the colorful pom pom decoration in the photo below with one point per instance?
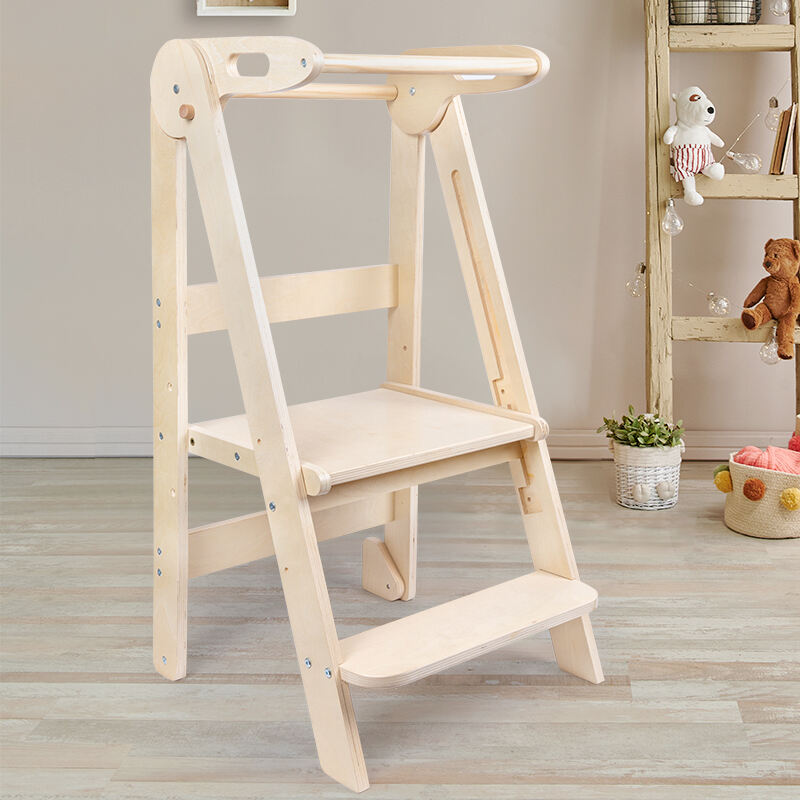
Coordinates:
(754, 489)
(722, 480)
(790, 498)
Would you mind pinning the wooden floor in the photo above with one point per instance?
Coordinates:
(698, 630)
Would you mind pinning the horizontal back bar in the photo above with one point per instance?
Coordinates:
(430, 65)
(333, 91)
(303, 295)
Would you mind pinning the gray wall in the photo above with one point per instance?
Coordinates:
(562, 164)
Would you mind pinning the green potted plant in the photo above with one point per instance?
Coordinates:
(647, 459)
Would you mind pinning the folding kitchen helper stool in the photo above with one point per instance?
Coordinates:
(346, 464)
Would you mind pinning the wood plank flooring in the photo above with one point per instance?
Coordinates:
(698, 629)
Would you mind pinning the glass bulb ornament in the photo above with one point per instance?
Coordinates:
(780, 8)
(749, 162)
(718, 305)
(638, 283)
(772, 119)
(769, 352)
(672, 224)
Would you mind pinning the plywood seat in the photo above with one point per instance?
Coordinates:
(407, 649)
(358, 436)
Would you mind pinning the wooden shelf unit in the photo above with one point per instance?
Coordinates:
(662, 327)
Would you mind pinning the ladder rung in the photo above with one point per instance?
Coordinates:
(302, 295)
(731, 37)
(716, 329)
(433, 640)
(745, 187)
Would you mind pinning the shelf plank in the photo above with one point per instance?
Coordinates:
(745, 187)
(719, 329)
(411, 648)
(362, 435)
(741, 38)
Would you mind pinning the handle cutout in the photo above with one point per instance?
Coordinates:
(251, 65)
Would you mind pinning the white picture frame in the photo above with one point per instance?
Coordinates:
(210, 8)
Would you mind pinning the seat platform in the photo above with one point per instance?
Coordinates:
(363, 435)
(411, 648)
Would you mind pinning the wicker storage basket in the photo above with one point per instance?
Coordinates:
(647, 477)
(766, 518)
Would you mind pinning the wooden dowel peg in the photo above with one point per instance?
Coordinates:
(186, 112)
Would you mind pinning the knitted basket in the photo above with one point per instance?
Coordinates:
(647, 477)
(767, 518)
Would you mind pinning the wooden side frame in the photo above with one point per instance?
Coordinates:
(291, 526)
(658, 340)
(406, 212)
(545, 525)
(795, 81)
(170, 404)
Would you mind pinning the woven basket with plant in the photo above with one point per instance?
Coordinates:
(647, 459)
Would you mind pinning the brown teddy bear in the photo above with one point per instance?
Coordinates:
(778, 296)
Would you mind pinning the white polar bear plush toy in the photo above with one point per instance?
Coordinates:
(691, 141)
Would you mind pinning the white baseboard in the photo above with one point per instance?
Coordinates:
(136, 442)
(75, 442)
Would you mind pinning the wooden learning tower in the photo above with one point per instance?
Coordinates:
(332, 467)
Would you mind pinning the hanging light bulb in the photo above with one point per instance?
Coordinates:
(769, 352)
(638, 284)
(773, 116)
(672, 224)
(718, 305)
(749, 162)
(780, 8)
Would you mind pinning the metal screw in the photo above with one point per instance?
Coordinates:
(272, 506)
(158, 551)
(236, 456)
(328, 673)
(303, 62)
(412, 91)
(163, 659)
(158, 323)
(158, 302)
(158, 572)
(307, 662)
(160, 435)
(176, 88)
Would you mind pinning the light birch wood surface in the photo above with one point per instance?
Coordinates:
(697, 627)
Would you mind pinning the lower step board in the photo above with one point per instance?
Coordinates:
(438, 638)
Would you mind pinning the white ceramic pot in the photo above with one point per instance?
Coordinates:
(648, 478)
(691, 12)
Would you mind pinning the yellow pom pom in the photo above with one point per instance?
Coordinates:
(790, 498)
(722, 480)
